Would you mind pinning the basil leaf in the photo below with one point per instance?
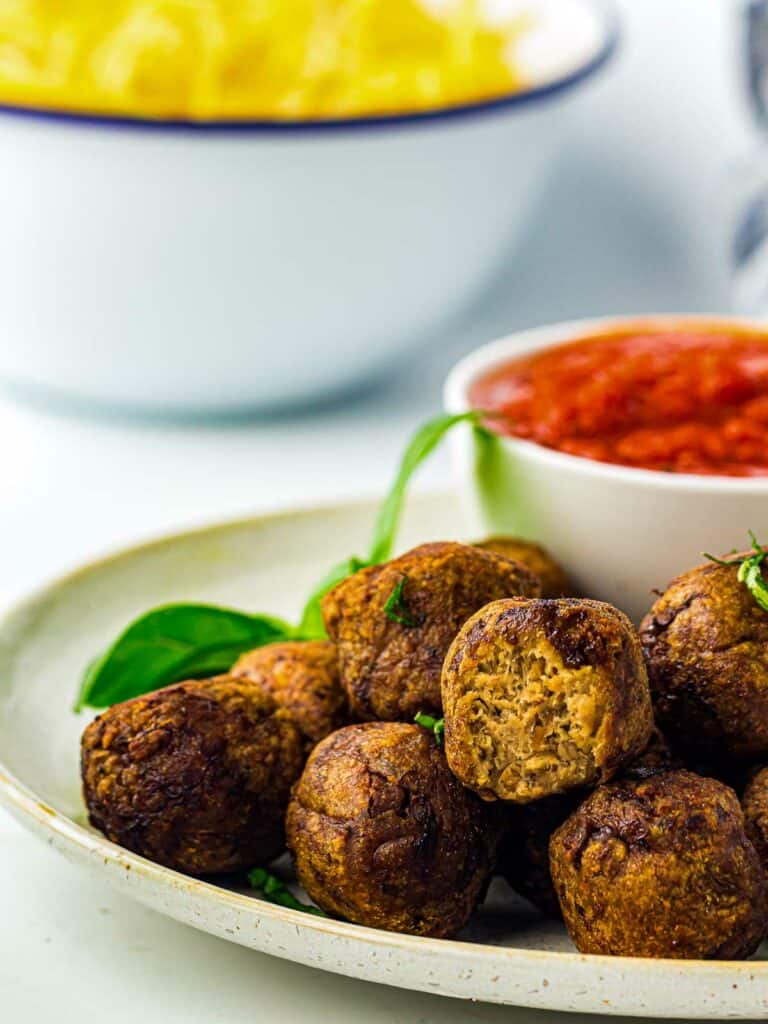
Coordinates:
(186, 641)
(171, 643)
(271, 889)
(311, 626)
(423, 444)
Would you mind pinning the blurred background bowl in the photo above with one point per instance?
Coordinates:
(176, 268)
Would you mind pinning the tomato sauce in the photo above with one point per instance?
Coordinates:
(679, 401)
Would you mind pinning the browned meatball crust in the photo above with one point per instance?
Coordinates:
(660, 867)
(301, 676)
(554, 582)
(196, 776)
(755, 806)
(391, 669)
(706, 645)
(383, 835)
(524, 850)
(542, 697)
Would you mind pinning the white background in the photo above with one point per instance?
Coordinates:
(638, 218)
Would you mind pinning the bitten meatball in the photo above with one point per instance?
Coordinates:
(542, 697)
(393, 623)
(524, 851)
(196, 776)
(301, 676)
(554, 582)
(383, 835)
(755, 805)
(706, 645)
(660, 867)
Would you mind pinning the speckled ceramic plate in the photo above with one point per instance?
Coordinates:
(509, 955)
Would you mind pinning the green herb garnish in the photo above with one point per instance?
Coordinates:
(420, 447)
(749, 571)
(273, 890)
(396, 609)
(436, 725)
(311, 626)
(187, 641)
(423, 443)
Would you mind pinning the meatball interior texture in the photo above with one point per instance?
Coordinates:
(383, 835)
(660, 867)
(196, 776)
(706, 645)
(302, 676)
(542, 697)
(755, 805)
(524, 851)
(554, 582)
(391, 670)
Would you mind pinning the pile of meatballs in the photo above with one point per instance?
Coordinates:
(612, 777)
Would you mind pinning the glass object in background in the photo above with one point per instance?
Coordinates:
(757, 57)
(750, 241)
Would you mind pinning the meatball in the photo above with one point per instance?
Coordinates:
(383, 835)
(542, 697)
(755, 805)
(196, 776)
(301, 676)
(393, 623)
(524, 851)
(554, 582)
(660, 867)
(657, 753)
(706, 645)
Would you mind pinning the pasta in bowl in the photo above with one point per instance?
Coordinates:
(213, 59)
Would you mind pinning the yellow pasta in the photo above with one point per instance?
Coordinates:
(239, 59)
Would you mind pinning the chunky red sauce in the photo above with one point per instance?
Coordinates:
(680, 401)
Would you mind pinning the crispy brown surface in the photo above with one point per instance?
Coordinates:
(383, 835)
(524, 851)
(392, 671)
(301, 676)
(660, 867)
(706, 644)
(196, 776)
(755, 806)
(554, 582)
(542, 697)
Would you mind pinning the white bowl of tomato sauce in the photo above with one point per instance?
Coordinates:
(628, 447)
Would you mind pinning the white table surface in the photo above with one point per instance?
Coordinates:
(70, 488)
